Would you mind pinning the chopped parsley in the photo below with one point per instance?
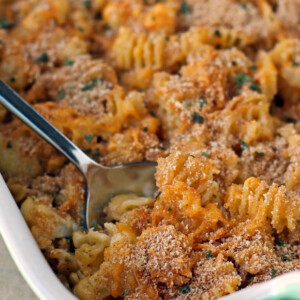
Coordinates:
(94, 225)
(88, 138)
(153, 114)
(187, 102)
(157, 196)
(244, 145)
(282, 184)
(209, 255)
(202, 102)
(87, 151)
(285, 258)
(68, 62)
(185, 8)
(217, 33)
(12, 79)
(271, 18)
(87, 4)
(92, 84)
(145, 129)
(169, 209)
(125, 293)
(167, 38)
(205, 154)
(192, 155)
(197, 118)
(80, 29)
(260, 153)
(288, 119)
(274, 272)
(234, 63)
(5, 24)
(280, 243)
(294, 63)
(61, 94)
(8, 145)
(255, 88)
(43, 58)
(185, 289)
(244, 6)
(240, 79)
(253, 68)
(42, 181)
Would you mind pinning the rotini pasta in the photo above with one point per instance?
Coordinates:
(209, 90)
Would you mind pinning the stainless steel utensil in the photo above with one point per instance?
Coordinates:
(102, 182)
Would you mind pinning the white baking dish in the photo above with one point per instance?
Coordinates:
(47, 286)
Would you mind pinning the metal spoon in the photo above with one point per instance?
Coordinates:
(102, 182)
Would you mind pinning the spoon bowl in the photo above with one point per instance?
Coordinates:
(102, 182)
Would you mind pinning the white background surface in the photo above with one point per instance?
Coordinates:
(12, 284)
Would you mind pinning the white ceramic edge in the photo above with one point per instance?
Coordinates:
(276, 286)
(25, 251)
(40, 277)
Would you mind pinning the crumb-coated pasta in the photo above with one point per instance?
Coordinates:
(208, 89)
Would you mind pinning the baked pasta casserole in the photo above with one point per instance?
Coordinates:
(209, 89)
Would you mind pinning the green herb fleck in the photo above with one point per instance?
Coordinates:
(253, 68)
(167, 38)
(8, 145)
(202, 102)
(61, 94)
(153, 114)
(260, 153)
(288, 119)
(185, 8)
(192, 155)
(88, 138)
(244, 145)
(280, 243)
(69, 238)
(205, 154)
(244, 6)
(187, 102)
(274, 272)
(157, 196)
(294, 63)
(68, 62)
(87, 151)
(94, 225)
(271, 18)
(12, 79)
(240, 79)
(214, 195)
(5, 24)
(197, 118)
(80, 29)
(255, 88)
(185, 289)
(87, 4)
(234, 63)
(43, 58)
(285, 258)
(145, 129)
(169, 209)
(209, 255)
(42, 181)
(92, 84)
(217, 33)
(282, 184)
(125, 293)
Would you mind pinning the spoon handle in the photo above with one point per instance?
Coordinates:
(28, 115)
